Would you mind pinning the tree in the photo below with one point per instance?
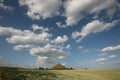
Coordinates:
(85, 68)
(71, 68)
(41, 68)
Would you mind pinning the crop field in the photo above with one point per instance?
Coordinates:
(32, 74)
(87, 74)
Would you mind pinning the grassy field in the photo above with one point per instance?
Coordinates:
(88, 74)
(7, 73)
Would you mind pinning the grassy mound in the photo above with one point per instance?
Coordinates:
(59, 67)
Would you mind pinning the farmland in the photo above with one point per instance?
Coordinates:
(88, 74)
(7, 73)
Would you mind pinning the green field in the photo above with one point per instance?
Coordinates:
(7, 73)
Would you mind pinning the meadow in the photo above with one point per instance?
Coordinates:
(87, 74)
(7, 73)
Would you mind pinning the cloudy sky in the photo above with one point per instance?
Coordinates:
(74, 33)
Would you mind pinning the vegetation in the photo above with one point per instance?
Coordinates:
(59, 67)
(7, 73)
(87, 74)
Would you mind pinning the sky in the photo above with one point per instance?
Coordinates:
(75, 33)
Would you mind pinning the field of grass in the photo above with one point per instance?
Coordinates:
(87, 74)
(7, 73)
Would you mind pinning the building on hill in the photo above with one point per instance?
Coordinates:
(59, 67)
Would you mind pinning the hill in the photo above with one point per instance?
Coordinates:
(59, 67)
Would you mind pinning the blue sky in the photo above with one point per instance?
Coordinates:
(37, 33)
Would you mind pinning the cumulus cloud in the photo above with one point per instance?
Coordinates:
(41, 60)
(49, 53)
(41, 8)
(21, 47)
(5, 7)
(48, 48)
(93, 27)
(59, 24)
(39, 44)
(60, 39)
(110, 48)
(29, 37)
(9, 31)
(101, 59)
(25, 36)
(68, 46)
(41, 28)
(75, 9)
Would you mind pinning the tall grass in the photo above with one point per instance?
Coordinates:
(25, 74)
(87, 74)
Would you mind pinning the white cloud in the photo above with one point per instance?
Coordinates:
(41, 60)
(41, 8)
(74, 9)
(9, 31)
(92, 28)
(68, 46)
(111, 48)
(5, 7)
(41, 28)
(102, 54)
(38, 44)
(29, 37)
(60, 39)
(50, 52)
(64, 64)
(105, 58)
(48, 48)
(59, 24)
(101, 59)
(21, 47)
(75, 34)
(80, 47)
(112, 56)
